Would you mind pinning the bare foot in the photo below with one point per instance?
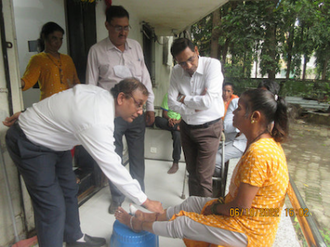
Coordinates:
(142, 216)
(174, 168)
(149, 217)
(132, 222)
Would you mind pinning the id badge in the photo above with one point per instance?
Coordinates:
(122, 71)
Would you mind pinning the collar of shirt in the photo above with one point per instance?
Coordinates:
(110, 45)
(199, 70)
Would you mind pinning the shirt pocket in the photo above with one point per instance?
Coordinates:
(136, 69)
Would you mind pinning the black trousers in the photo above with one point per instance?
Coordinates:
(51, 183)
(134, 133)
(163, 124)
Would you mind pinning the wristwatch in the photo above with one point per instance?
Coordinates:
(180, 97)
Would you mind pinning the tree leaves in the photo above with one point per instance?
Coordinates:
(267, 32)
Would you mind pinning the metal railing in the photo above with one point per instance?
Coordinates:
(307, 224)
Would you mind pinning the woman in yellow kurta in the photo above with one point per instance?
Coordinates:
(53, 71)
(251, 211)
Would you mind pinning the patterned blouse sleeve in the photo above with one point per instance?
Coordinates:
(254, 170)
(32, 73)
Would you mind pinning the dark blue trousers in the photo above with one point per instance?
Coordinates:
(163, 124)
(51, 183)
(134, 133)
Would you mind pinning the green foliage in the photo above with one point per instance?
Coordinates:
(202, 31)
(326, 236)
(318, 90)
(269, 33)
(319, 32)
(299, 233)
(242, 84)
(325, 233)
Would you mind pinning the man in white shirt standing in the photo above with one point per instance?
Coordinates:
(109, 61)
(40, 142)
(196, 93)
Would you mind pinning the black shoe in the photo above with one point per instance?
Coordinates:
(113, 207)
(89, 242)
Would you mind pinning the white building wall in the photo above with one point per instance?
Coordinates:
(6, 225)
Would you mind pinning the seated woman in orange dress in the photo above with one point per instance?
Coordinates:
(250, 212)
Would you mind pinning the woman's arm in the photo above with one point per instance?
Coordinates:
(243, 200)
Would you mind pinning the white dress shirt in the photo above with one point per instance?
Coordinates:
(230, 131)
(209, 106)
(83, 115)
(107, 65)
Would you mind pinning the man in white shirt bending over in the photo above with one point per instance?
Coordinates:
(40, 142)
(196, 93)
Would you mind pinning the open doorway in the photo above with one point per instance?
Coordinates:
(81, 26)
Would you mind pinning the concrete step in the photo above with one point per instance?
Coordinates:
(307, 104)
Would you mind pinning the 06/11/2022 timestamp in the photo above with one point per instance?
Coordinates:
(301, 212)
(268, 212)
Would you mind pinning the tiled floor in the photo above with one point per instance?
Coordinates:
(160, 186)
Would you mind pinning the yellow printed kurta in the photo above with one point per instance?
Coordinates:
(53, 75)
(263, 165)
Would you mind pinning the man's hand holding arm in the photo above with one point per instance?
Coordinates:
(145, 79)
(150, 118)
(173, 93)
(212, 90)
(154, 206)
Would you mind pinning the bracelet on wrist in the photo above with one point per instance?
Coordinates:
(221, 200)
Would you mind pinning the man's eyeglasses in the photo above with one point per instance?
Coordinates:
(121, 28)
(139, 106)
(190, 60)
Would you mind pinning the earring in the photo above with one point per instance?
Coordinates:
(252, 121)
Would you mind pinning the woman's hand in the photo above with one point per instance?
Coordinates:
(208, 209)
(9, 121)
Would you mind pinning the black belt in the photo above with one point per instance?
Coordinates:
(202, 126)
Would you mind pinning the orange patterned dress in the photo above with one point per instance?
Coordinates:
(263, 165)
(53, 75)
